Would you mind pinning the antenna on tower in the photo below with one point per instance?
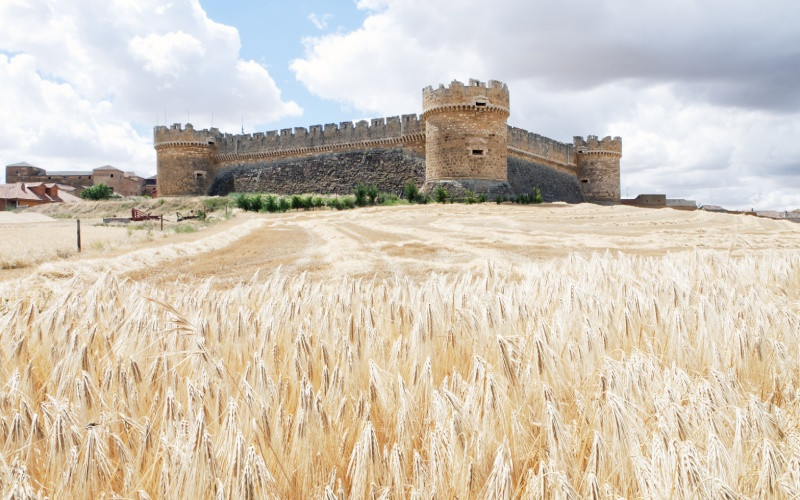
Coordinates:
(243, 125)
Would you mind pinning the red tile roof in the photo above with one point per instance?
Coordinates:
(27, 191)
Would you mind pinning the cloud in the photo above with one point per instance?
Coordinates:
(703, 93)
(320, 22)
(84, 81)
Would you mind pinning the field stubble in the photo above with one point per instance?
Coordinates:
(584, 375)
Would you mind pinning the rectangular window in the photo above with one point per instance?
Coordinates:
(584, 181)
(480, 103)
(477, 152)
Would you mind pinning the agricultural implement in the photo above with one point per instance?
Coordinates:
(192, 215)
(136, 216)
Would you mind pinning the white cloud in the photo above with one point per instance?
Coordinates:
(320, 22)
(704, 94)
(165, 56)
(84, 81)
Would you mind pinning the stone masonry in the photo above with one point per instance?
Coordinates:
(462, 136)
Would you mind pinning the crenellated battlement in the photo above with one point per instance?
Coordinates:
(407, 128)
(477, 95)
(538, 148)
(592, 144)
(184, 135)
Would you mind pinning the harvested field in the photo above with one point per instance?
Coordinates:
(453, 351)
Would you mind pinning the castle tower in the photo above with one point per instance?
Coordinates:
(597, 162)
(185, 159)
(466, 137)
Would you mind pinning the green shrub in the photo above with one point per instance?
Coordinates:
(296, 202)
(482, 198)
(387, 199)
(372, 193)
(470, 197)
(242, 201)
(537, 195)
(317, 201)
(410, 192)
(523, 199)
(284, 204)
(215, 203)
(360, 192)
(97, 192)
(500, 199)
(270, 203)
(440, 194)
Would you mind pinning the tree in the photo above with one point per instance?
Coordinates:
(97, 192)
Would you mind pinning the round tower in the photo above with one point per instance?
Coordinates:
(466, 137)
(185, 159)
(597, 163)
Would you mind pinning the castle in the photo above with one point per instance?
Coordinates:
(461, 140)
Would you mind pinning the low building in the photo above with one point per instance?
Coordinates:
(122, 183)
(26, 194)
(25, 172)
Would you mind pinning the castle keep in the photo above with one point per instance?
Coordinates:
(461, 140)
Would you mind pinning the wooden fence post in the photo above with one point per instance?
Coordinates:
(79, 235)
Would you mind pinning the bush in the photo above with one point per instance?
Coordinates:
(482, 198)
(372, 193)
(410, 192)
(284, 204)
(440, 194)
(470, 197)
(360, 192)
(500, 199)
(297, 202)
(537, 195)
(98, 192)
(215, 203)
(270, 203)
(387, 199)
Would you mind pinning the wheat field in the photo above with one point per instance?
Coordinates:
(586, 375)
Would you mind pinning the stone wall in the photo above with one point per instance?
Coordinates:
(185, 169)
(542, 150)
(23, 173)
(388, 169)
(553, 184)
(337, 173)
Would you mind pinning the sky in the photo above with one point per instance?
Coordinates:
(705, 93)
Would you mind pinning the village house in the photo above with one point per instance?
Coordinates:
(26, 194)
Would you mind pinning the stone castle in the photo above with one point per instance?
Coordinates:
(461, 140)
